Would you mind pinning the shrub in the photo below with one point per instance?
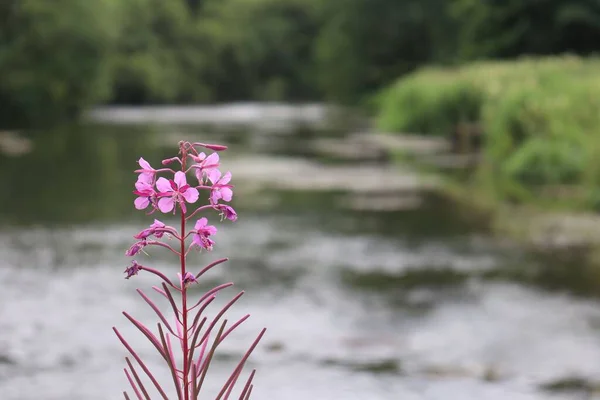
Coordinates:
(539, 117)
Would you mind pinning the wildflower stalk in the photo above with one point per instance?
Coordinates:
(182, 257)
(191, 331)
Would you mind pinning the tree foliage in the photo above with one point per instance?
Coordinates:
(58, 57)
(504, 29)
(54, 62)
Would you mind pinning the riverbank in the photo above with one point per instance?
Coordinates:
(524, 139)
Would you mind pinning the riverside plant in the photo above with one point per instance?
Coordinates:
(196, 336)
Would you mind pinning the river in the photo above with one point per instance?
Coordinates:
(361, 300)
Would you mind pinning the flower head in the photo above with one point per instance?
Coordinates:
(221, 188)
(226, 212)
(145, 192)
(205, 165)
(133, 269)
(146, 169)
(176, 190)
(136, 248)
(202, 233)
(187, 279)
(155, 229)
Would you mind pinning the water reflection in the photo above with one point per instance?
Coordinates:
(411, 303)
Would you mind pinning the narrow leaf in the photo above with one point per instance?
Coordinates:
(146, 333)
(240, 366)
(156, 310)
(247, 386)
(209, 357)
(170, 298)
(133, 386)
(141, 363)
(137, 378)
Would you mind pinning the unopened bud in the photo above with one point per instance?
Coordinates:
(170, 160)
(214, 147)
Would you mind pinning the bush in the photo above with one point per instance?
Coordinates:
(540, 118)
(429, 102)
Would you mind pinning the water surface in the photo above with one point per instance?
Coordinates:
(417, 302)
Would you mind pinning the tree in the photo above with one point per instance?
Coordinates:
(54, 57)
(505, 29)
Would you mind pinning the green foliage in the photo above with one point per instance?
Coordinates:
(54, 57)
(540, 160)
(434, 106)
(511, 28)
(59, 57)
(539, 116)
(260, 49)
(365, 44)
(157, 54)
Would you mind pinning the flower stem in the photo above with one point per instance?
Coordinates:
(184, 310)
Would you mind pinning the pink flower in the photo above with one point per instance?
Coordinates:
(187, 279)
(152, 231)
(202, 233)
(220, 189)
(226, 212)
(145, 192)
(206, 165)
(176, 190)
(133, 269)
(146, 169)
(136, 248)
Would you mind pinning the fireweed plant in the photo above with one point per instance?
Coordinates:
(197, 335)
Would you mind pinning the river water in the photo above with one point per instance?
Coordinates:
(409, 302)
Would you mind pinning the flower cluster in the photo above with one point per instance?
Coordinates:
(168, 191)
(167, 195)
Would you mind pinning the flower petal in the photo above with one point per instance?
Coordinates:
(163, 185)
(166, 204)
(198, 173)
(226, 178)
(201, 223)
(191, 195)
(215, 195)
(212, 160)
(180, 179)
(141, 203)
(226, 193)
(145, 177)
(143, 185)
(145, 164)
(214, 175)
(157, 224)
(197, 240)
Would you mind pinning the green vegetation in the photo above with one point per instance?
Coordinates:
(539, 119)
(538, 115)
(59, 57)
(53, 63)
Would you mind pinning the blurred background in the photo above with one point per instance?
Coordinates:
(418, 184)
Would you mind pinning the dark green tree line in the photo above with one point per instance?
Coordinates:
(60, 57)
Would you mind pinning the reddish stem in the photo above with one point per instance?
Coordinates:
(184, 322)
